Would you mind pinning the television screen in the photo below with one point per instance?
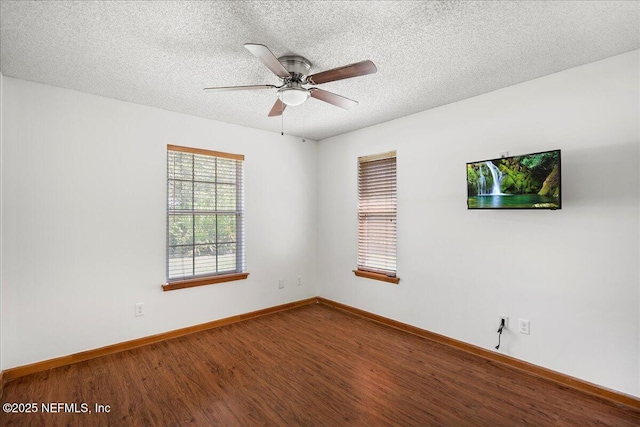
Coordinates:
(531, 181)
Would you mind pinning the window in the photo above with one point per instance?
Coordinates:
(377, 217)
(205, 217)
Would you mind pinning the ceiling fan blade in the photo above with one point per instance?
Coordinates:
(354, 70)
(277, 108)
(332, 98)
(227, 88)
(268, 58)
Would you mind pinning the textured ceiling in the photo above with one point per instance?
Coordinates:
(428, 54)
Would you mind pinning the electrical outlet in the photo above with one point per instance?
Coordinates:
(139, 309)
(299, 280)
(524, 326)
(506, 320)
(280, 283)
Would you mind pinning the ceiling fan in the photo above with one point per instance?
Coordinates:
(293, 70)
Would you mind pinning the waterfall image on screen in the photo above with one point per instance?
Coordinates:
(531, 181)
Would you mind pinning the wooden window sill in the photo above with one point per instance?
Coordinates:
(181, 284)
(376, 276)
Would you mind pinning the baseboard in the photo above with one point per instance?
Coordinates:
(21, 371)
(613, 396)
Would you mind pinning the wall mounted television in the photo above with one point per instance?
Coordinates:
(530, 181)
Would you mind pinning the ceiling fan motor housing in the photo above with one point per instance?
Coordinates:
(296, 65)
(293, 93)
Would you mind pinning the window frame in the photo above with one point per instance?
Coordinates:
(366, 267)
(208, 278)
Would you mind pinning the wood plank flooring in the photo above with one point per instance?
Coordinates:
(310, 366)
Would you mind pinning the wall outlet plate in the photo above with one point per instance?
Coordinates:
(523, 326)
(139, 309)
(280, 283)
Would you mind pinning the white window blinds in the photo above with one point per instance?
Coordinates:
(205, 213)
(377, 213)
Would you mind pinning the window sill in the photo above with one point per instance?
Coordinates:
(211, 280)
(376, 276)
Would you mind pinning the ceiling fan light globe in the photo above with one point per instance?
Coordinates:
(293, 96)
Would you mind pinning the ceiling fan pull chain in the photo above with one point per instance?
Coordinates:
(303, 140)
(282, 119)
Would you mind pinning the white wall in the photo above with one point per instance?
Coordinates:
(1, 233)
(574, 273)
(84, 195)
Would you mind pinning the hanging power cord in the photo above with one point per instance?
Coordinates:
(500, 332)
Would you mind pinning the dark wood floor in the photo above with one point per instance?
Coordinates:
(312, 365)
